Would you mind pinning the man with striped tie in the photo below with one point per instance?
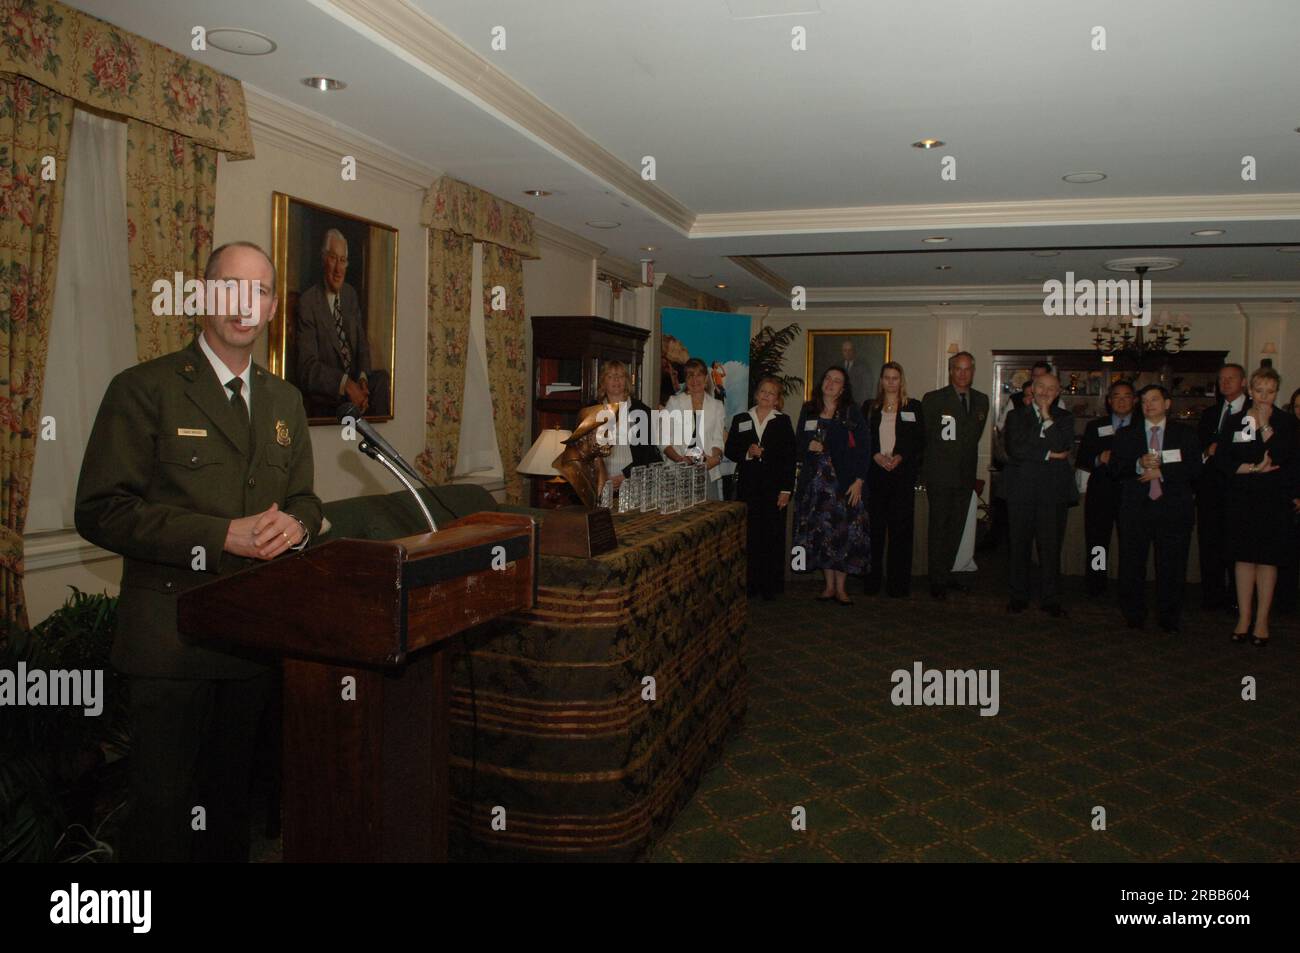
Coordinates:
(1156, 464)
(332, 350)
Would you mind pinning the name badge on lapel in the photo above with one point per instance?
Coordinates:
(282, 433)
(810, 425)
(1106, 431)
(1171, 456)
(188, 432)
(907, 416)
(745, 426)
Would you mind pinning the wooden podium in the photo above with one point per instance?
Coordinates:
(365, 761)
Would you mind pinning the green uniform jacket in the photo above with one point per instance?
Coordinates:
(168, 466)
(950, 464)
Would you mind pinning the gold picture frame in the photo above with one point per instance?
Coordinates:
(872, 348)
(304, 347)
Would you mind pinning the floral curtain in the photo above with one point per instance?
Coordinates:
(451, 265)
(171, 191)
(507, 358)
(35, 127)
(463, 208)
(108, 68)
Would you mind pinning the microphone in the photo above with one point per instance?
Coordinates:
(377, 448)
(375, 440)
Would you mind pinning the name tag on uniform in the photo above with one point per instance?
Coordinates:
(810, 425)
(1171, 456)
(907, 416)
(186, 432)
(1106, 431)
(745, 426)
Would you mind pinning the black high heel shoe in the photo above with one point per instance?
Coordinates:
(1240, 637)
(1258, 642)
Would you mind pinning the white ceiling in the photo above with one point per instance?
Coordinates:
(739, 123)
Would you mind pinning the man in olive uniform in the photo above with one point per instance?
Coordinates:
(199, 465)
(954, 420)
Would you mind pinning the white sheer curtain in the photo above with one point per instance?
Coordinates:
(477, 453)
(92, 335)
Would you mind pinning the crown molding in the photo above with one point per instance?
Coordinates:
(622, 269)
(762, 273)
(949, 216)
(291, 127)
(551, 234)
(1163, 291)
(421, 41)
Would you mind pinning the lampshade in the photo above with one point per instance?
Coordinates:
(549, 445)
(1269, 348)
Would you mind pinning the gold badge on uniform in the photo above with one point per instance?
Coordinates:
(282, 433)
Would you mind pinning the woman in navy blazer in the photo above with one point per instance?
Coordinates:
(891, 479)
(830, 520)
(761, 444)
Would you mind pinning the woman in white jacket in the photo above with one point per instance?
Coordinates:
(703, 423)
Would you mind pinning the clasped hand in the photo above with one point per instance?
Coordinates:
(263, 535)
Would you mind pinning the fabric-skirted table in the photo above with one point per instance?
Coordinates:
(574, 759)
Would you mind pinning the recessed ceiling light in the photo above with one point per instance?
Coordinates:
(1045, 254)
(700, 277)
(649, 247)
(944, 303)
(720, 285)
(242, 42)
(1150, 263)
(537, 193)
(928, 144)
(1205, 232)
(324, 83)
(943, 267)
(1083, 178)
(602, 224)
(936, 240)
(1290, 249)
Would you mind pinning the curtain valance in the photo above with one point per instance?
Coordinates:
(108, 68)
(459, 207)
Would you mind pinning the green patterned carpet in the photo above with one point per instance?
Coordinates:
(1149, 726)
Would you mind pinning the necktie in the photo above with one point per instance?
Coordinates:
(344, 351)
(965, 406)
(1227, 405)
(1155, 490)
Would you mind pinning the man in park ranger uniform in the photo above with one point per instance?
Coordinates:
(199, 465)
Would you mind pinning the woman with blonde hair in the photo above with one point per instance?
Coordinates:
(613, 388)
(703, 419)
(898, 435)
(761, 443)
(1258, 450)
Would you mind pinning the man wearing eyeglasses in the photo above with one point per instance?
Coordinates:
(330, 339)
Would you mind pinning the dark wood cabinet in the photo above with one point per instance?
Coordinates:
(568, 352)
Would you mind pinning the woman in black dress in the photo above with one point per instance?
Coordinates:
(1258, 450)
(1288, 574)
(761, 444)
(898, 436)
(830, 516)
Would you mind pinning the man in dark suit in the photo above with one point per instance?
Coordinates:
(1218, 587)
(954, 420)
(330, 340)
(1101, 502)
(1156, 463)
(1040, 489)
(856, 370)
(199, 465)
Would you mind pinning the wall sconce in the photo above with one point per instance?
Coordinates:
(953, 347)
(1269, 348)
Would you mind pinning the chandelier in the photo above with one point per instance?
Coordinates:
(1123, 336)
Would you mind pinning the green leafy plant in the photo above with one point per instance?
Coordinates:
(767, 358)
(46, 750)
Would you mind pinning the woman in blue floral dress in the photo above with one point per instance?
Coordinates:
(830, 519)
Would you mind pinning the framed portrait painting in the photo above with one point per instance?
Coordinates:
(335, 332)
(860, 352)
